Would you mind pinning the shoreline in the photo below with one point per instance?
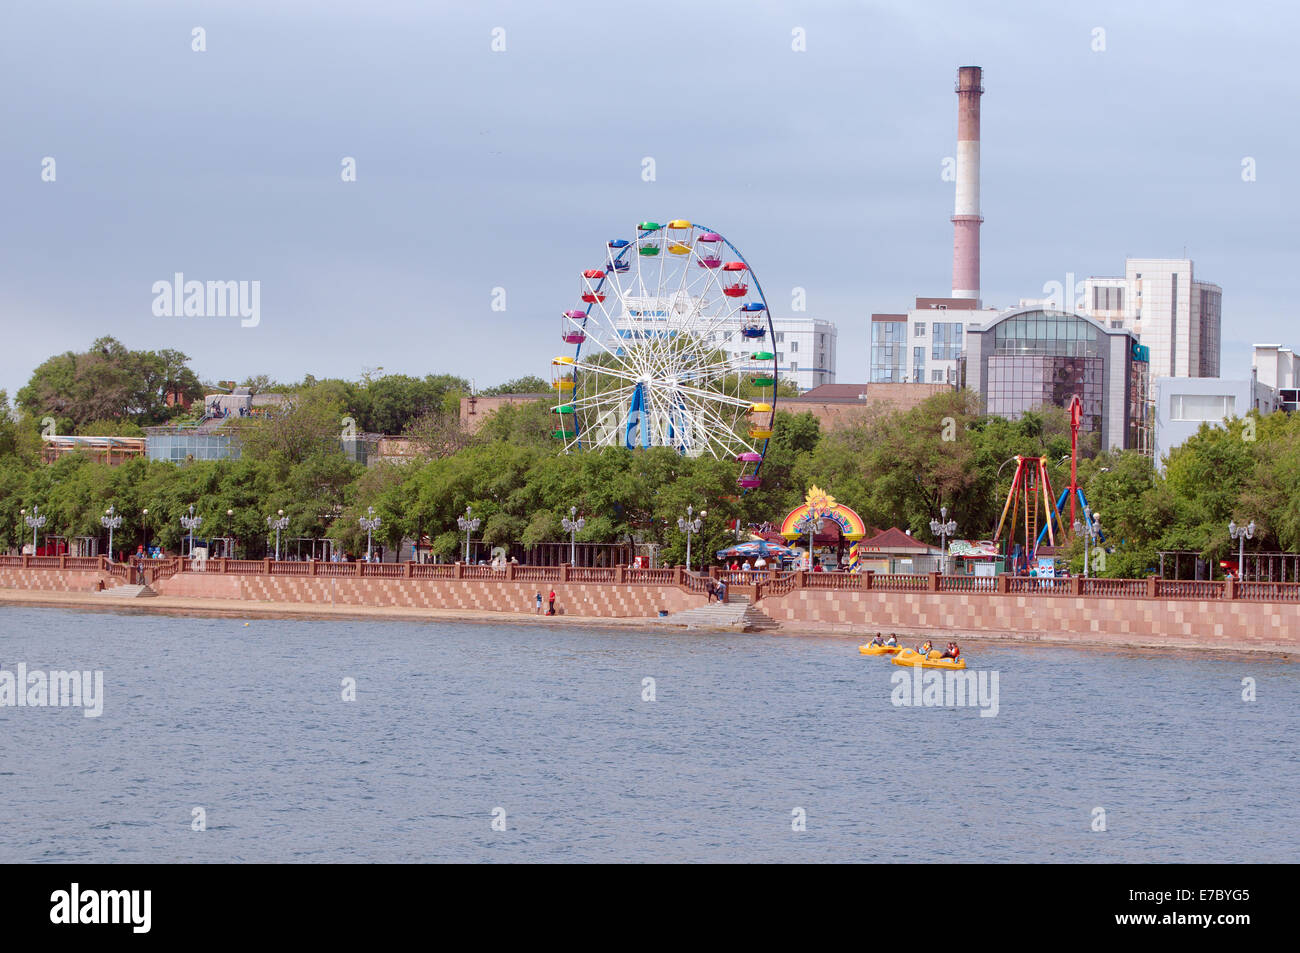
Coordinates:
(248, 609)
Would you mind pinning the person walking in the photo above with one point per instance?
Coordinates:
(539, 603)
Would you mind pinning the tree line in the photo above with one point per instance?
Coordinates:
(896, 468)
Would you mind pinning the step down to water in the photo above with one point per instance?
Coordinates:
(737, 615)
(128, 592)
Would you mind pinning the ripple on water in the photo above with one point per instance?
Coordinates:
(453, 721)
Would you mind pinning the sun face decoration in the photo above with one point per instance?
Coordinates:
(819, 501)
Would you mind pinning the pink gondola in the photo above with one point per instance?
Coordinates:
(749, 482)
(571, 334)
(750, 457)
(708, 250)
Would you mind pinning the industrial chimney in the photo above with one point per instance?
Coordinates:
(966, 215)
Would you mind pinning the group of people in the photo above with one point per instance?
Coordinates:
(717, 589)
(924, 649)
(953, 651)
(550, 600)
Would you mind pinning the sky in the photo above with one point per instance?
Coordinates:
(480, 169)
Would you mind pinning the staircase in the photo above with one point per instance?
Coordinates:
(737, 614)
(128, 592)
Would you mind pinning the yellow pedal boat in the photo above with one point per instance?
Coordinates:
(909, 657)
(880, 649)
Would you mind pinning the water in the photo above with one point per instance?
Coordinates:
(454, 720)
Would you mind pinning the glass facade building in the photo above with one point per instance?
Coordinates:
(1042, 357)
(888, 363)
(180, 447)
(945, 340)
(1031, 357)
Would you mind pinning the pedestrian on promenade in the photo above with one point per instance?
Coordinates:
(551, 601)
(539, 603)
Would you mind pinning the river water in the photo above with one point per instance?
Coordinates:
(547, 729)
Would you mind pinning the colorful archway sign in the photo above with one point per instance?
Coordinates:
(821, 505)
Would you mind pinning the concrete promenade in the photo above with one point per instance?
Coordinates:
(1147, 613)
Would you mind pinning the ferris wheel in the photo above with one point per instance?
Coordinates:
(673, 348)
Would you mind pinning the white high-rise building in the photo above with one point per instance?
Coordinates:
(1276, 371)
(924, 345)
(1177, 318)
(805, 347)
(805, 350)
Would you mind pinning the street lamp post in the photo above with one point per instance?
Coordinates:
(144, 527)
(1091, 527)
(35, 522)
(814, 527)
(943, 528)
(573, 527)
(370, 523)
(690, 526)
(110, 522)
(190, 524)
(229, 539)
(277, 523)
(1241, 534)
(468, 523)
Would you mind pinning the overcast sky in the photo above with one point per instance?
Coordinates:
(479, 169)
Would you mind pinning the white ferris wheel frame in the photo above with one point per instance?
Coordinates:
(678, 355)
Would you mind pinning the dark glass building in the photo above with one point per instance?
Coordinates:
(1031, 356)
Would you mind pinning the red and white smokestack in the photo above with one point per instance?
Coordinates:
(966, 215)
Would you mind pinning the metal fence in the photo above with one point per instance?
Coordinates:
(755, 584)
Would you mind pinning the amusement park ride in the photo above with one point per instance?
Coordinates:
(651, 364)
(1031, 495)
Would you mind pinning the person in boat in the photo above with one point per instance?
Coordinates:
(892, 640)
(925, 648)
(953, 652)
(878, 640)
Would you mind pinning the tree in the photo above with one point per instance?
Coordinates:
(528, 384)
(109, 382)
(309, 423)
(437, 435)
